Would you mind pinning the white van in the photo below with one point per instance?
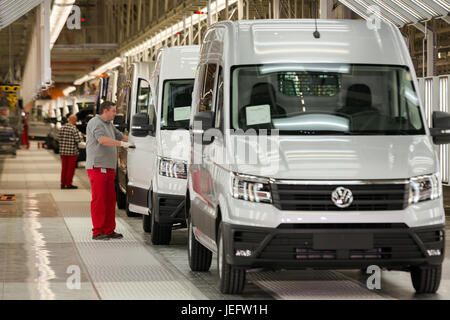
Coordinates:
(136, 96)
(353, 179)
(157, 166)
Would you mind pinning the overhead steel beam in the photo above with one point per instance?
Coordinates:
(10, 11)
(446, 19)
(86, 46)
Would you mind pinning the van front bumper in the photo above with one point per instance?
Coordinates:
(169, 208)
(334, 246)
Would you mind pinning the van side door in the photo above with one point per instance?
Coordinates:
(141, 160)
(202, 175)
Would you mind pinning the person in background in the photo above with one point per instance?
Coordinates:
(24, 137)
(69, 138)
(102, 140)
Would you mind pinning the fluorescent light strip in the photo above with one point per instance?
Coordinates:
(68, 90)
(408, 9)
(391, 11)
(380, 15)
(178, 27)
(442, 4)
(425, 7)
(60, 11)
(107, 66)
(83, 80)
(356, 10)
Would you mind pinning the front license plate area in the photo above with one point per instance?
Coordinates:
(341, 241)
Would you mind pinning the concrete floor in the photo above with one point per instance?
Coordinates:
(46, 252)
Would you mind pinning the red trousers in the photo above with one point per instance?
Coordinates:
(68, 169)
(103, 204)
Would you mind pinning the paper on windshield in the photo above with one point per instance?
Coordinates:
(258, 114)
(182, 113)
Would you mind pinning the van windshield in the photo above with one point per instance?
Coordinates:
(176, 106)
(326, 99)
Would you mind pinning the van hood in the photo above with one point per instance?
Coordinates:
(175, 144)
(342, 158)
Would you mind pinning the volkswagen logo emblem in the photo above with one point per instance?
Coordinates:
(342, 197)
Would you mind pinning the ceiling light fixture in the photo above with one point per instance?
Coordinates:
(83, 79)
(60, 12)
(425, 7)
(69, 90)
(107, 66)
(443, 4)
(408, 9)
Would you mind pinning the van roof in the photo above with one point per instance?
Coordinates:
(179, 62)
(292, 41)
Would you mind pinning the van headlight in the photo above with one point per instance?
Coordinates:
(172, 168)
(424, 188)
(251, 188)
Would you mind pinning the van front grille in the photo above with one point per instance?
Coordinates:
(369, 197)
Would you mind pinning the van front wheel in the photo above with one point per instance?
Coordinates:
(147, 222)
(231, 279)
(121, 198)
(426, 279)
(199, 257)
(161, 234)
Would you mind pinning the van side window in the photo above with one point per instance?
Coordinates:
(143, 96)
(207, 93)
(123, 97)
(219, 101)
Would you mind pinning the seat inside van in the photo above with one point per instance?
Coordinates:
(263, 93)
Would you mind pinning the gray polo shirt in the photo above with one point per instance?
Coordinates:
(97, 155)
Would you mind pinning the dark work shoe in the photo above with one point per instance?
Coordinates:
(115, 235)
(63, 187)
(72, 187)
(100, 236)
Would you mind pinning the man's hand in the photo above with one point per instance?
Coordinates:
(124, 144)
(82, 145)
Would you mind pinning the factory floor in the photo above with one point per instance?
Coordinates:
(46, 252)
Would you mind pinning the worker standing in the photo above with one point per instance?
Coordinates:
(102, 140)
(69, 138)
(24, 137)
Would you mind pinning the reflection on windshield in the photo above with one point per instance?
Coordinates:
(326, 99)
(176, 109)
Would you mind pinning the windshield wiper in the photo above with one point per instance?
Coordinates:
(173, 128)
(322, 132)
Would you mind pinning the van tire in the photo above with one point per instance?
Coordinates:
(121, 198)
(147, 222)
(231, 279)
(129, 213)
(426, 279)
(200, 258)
(161, 234)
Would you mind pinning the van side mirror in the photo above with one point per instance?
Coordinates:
(205, 119)
(119, 122)
(441, 127)
(141, 125)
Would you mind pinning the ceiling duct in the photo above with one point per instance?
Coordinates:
(10, 11)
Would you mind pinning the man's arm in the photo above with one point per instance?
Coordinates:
(109, 142)
(120, 136)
